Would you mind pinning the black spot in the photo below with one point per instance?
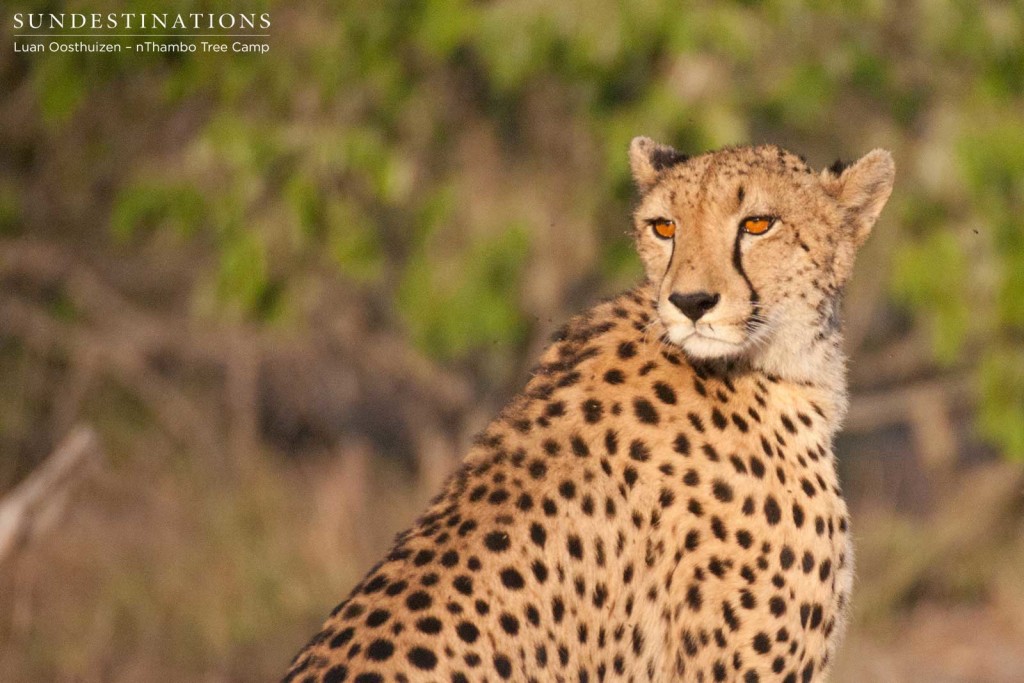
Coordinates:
(691, 478)
(721, 490)
(579, 447)
(807, 562)
(537, 469)
(630, 476)
(338, 673)
(512, 579)
(503, 666)
(639, 451)
(575, 547)
(681, 444)
(614, 376)
(772, 512)
(422, 658)
(718, 419)
(396, 588)
(497, 541)
(538, 535)
(645, 411)
(786, 557)
(664, 393)
(463, 584)
(816, 616)
(611, 442)
(555, 409)
(353, 611)
(377, 617)
(757, 467)
(718, 528)
(694, 599)
(740, 423)
(788, 424)
(692, 539)
(762, 643)
(569, 379)
(798, 515)
(380, 650)
(467, 632)
(587, 505)
(730, 617)
(744, 538)
(342, 638)
(695, 420)
(540, 571)
(430, 625)
(509, 624)
(626, 350)
(567, 489)
(417, 601)
(592, 410)
(375, 584)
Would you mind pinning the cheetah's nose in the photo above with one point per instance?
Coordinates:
(695, 304)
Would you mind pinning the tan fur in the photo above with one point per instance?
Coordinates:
(656, 505)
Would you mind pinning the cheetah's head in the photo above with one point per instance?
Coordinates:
(749, 249)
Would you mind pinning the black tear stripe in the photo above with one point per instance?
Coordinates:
(737, 262)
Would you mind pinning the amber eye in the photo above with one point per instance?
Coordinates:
(757, 225)
(663, 228)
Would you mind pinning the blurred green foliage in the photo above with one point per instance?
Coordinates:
(345, 148)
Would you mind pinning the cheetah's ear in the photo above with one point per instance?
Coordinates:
(862, 189)
(648, 159)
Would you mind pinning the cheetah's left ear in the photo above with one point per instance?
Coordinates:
(647, 159)
(862, 189)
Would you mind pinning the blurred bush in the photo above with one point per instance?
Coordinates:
(358, 145)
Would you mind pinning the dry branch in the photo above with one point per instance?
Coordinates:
(37, 502)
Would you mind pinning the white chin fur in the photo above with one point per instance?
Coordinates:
(702, 347)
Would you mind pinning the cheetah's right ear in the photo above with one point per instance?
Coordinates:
(862, 189)
(648, 159)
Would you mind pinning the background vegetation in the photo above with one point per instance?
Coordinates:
(285, 290)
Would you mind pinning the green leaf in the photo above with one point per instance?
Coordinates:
(928, 275)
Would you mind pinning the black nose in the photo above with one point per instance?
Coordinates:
(694, 304)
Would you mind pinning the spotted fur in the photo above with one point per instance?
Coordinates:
(660, 502)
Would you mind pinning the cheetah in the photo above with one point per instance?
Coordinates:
(660, 502)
